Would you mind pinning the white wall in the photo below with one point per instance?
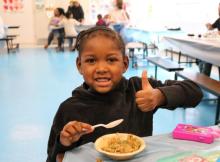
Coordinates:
(190, 15)
(33, 21)
(42, 20)
(24, 19)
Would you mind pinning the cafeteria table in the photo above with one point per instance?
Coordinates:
(206, 49)
(157, 147)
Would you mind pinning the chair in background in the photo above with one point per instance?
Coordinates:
(9, 39)
(132, 46)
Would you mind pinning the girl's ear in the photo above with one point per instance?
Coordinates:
(79, 65)
(126, 63)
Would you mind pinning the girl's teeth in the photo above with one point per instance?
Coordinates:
(102, 80)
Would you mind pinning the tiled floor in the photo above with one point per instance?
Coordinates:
(33, 82)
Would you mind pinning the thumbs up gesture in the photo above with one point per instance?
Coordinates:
(148, 98)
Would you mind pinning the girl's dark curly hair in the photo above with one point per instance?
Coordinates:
(85, 35)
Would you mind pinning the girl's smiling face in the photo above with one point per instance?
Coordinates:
(101, 63)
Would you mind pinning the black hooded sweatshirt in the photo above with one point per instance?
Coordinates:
(91, 107)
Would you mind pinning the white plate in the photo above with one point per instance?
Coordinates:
(102, 141)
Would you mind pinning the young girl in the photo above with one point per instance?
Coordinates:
(56, 28)
(100, 21)
(69, 27)
(106, 95)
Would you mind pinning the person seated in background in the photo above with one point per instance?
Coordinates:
(101, 21)
(77, 11)
(56, 29)
(204, 67)
(119, 17)
(69, 24)
(216, 24)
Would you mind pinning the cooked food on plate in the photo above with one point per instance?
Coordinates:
(118, 144)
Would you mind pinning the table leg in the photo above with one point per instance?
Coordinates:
(155, 72)
(217, 111)
(7, 44)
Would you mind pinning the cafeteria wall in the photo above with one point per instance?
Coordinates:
(42, 16)
(23, 18)
(33, 19)
(190, 15)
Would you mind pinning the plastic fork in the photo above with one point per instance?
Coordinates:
(109, 125)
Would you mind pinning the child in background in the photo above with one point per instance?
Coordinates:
(55, 20)
(69, 27)
(106, 95)
(107, 19)
(100, 21)
(56, 28)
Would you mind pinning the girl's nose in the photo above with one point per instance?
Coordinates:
(101, 68)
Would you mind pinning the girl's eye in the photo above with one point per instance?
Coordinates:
(90, 60)
(111, 60)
